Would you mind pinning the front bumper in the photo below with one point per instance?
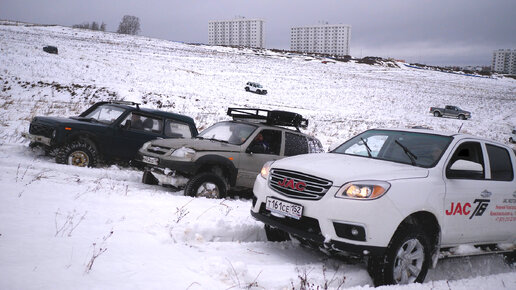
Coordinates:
(37, 138)
(323, 220)
(165, 170)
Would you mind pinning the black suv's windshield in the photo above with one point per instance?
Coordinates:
(106, 114)
(231, 132)
(418, 149)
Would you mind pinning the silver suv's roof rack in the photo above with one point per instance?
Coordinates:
(269, 117)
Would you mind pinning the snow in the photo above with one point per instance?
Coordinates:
(56, 220)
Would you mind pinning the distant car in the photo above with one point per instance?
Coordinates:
(50, 49)
(450, 111)
(512, 139)
(107, 131)
(255, 88)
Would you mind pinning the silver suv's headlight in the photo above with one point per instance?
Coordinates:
(182, 152)
(364, 189)
(146, 145)
(265, 169)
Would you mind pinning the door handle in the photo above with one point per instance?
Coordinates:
(486, 193)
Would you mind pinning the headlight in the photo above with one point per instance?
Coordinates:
(146, 145)
(366, 189)
(265, 169)
(183, 152)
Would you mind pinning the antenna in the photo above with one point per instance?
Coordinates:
(460, 127)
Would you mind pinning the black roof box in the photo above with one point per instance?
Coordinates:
(274, 117)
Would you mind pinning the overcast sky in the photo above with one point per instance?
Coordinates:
(438, 32)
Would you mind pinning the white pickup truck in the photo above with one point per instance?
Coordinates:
(400, 198)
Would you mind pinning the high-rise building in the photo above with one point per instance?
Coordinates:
(504, 61)
(237, 32)
(326, 39)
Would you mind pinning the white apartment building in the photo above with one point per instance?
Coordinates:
(326, 39)
(237, 32)
(504, 61)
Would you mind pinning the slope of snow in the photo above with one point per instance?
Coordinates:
(56, 219)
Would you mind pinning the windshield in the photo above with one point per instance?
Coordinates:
(230, 132)
(418, 149)
(105, 114)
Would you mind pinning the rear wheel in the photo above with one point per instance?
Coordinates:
(406, 261)
(78, 153)
(276, 235)
(437, 114)
(462, 117)
(206, 184)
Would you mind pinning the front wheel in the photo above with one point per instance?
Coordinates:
(78, 153)
(462, 117)
(206, 184)
(406, 261)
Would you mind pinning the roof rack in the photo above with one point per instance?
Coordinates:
(126, 103)
(274, 117)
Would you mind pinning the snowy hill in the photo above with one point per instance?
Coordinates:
(56, 219)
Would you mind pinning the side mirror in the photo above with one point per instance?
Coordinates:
(465, 165)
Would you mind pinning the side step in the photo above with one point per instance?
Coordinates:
(469, 250)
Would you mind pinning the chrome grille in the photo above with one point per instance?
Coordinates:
(41, 130)
(158, 149)
(315, 187)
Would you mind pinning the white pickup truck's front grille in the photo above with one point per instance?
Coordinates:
(298, 185)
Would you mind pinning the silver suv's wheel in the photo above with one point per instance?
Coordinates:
(437, 114)
(206, 184)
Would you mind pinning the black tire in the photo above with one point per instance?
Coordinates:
(264, 92)
(148, 178)
(462, 117)
(247, 89)
(437, 114)
(78, 153)
(388, 270)
(276, 235)
(511, 140)
(510, 259)
(206, 184)
(259, 92)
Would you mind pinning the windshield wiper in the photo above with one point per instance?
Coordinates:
(367, 147)
(411, 155)
(219, 140)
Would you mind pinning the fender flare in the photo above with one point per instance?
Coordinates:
(215, 160)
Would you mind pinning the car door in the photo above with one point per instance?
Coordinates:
(501, 185)
(131, 135)
(265, 146)
(468, 197)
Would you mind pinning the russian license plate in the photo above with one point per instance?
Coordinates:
(283, 208)
(150, 160)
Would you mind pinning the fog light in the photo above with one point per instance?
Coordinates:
(354, 231)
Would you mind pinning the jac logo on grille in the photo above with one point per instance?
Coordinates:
(290, 183)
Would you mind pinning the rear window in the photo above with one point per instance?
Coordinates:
(295, 144)
(500, 163)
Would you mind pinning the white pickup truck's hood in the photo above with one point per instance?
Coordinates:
(341, 168)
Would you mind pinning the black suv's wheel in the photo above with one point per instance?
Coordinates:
(148, 178)
(406, 261)
(276, 235)
(78, 153)
(206, 184)
(437, 114)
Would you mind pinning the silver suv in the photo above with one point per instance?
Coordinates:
(227, 155)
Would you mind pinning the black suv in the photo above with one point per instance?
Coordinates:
(110, 131)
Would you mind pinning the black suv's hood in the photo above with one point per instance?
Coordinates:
(196, 144)
(59, 121)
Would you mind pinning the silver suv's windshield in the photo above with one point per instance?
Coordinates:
(106, 114)
(418, 149)
(230, 132)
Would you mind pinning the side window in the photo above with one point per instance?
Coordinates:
(500, 163)
(295, 144)
(315, 146)
(175, 129)
(144, 123)
(471, 152)
(266, 142)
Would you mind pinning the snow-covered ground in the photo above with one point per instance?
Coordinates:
(63, 227)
